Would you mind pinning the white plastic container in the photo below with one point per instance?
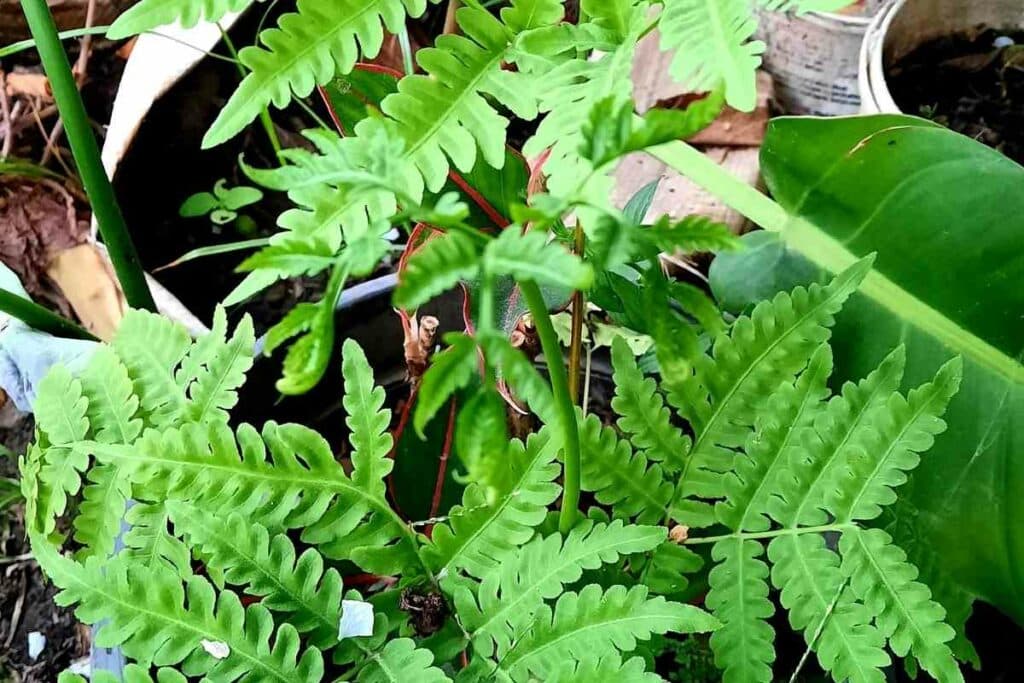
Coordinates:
(157, 62)
(814, 59)
(904, 25)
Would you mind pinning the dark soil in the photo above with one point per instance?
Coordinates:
(26, 600)
(970, 84)
(166, 164)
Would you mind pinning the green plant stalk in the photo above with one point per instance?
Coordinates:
(265, 120)
(830, 254)
(579, 307)
(87, 155)
(566, 409)
(22, 45)
(39, 318)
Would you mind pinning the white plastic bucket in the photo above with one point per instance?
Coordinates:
(157, 62)
(904, 25)
(814, 59)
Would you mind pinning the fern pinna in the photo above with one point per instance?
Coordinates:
(273, 514)
(783, 480)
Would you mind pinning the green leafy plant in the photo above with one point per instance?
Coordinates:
(221, 205)
(776, 460)
(407, 136)
(964, 551)
(229, 498)
(274, 514)
(733, 467)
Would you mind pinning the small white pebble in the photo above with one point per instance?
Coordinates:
(1003, 41)
(356, 619)
(81, 667)
(215, 648)
(36, 644)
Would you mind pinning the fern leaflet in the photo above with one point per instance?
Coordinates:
(151, 14)
(154, 618)
(510, 597)
(482, 531)
(248, 556)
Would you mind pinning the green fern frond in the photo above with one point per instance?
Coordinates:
(216, 367)
(955, 600)
(367, 420)
(267, 567)
(774, 461)
(297, 321)
(712, 41)
(572, 88)
(813, 461)
(450, 370)
(738, 597)
(817, 597)
(100, 513)
(723, 397)
(61, 407)
(319, 185)
(620, 478)
(151, 347)
(642, 413)
(912, 622)
(754, 479)
(529, 256)
(300, 486)
(443, 114)
(149, 542)
(151, 14)
(292, 258)
(603, 669)
(692, 233)
(907, 427)
(510, 596)
(525, 15)
(306, 49)
(666, 571)
(435, 268)
(590, 621)
(113, 405)
(154, 618)
(492, 523)
(401, 662)
(56, 471)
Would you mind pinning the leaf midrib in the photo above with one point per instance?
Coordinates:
(825, 251)
(309, 482)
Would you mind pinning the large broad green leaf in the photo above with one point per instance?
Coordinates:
(946, 217)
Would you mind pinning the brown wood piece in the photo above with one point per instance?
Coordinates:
(84, 277)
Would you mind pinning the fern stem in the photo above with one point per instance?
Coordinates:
(579, 305)
(265, 120)
(775, 533)
(87, 156)
(566, 410)
(28, 44)
(817, 632)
